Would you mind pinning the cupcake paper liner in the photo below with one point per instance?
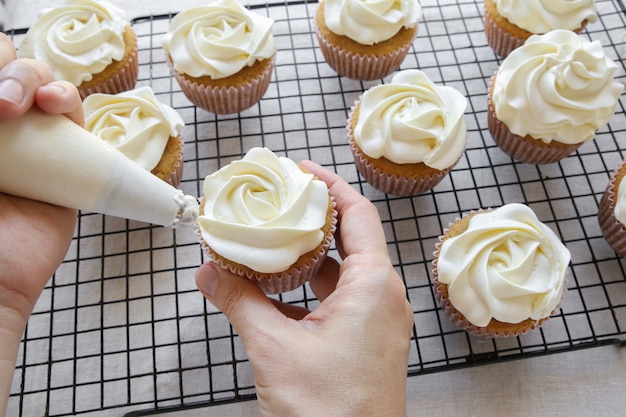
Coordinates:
(360, 67)
(489, 331)
(501, 41)
(391, 183)
(613, 230)
(226, 100)
(280, 282)
(524, 149)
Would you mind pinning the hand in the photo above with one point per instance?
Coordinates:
(349, 356)
(34, 236)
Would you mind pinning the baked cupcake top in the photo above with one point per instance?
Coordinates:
(506, 265)
(558, 86)
(412, 120)
(78, 39)
(263, 211)
(542, 16)
(134, 122)
(370, 21)
(218, 40)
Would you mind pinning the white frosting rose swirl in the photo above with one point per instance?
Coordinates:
(218, 40)
(134, 122)
(370, 21)
(77, 39)
(263, 211)
(507, 265)
(557, 86)
(542, 16)
(412, 120)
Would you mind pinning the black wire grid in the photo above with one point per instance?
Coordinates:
(121, 328)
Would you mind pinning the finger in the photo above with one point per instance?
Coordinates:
(325, 281)
(7, 50)
(61, 97)
(290, 310)
(244, 304)
(359, 222)
(19, 81)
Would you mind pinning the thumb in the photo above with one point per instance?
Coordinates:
(243, 303)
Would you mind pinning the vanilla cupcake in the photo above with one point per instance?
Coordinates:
(508, 23)
(550, 96)
(265, 219)
(366, 40)
(407, 135)
(612, 211)
(500, 272)
(222, 55)
(86, 42)
(138, 125)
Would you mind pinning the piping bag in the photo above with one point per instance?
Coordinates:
(49, 158)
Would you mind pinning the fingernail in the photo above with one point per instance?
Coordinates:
(207, 279)
(12, 91)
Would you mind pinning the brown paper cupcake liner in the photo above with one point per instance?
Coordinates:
(612, 229)
(494, 329)
(361, 67)
(524, 149)
(280, 282)
(391, 183)
(123, 80)
(226, 100)
(501, 41)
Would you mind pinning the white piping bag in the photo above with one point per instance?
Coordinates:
(49, 158)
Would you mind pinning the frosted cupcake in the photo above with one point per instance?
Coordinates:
(86, 42)
(407, 135)
(366, 40)
(138, 125)
(612, 211)
(508, 23)
(222, 55)
(264, 218)
(550, 96)
(500, 272)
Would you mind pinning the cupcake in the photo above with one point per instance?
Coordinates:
(508, 23)
(222, 55)
(550, 96)
(407, 135)
(612, 211)
(366, 40)
(265, 219)
(499, 272)
(142, 128)
(86, 42)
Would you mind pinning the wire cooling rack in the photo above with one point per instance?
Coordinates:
(121, 328)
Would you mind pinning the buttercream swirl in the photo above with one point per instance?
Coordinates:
(412, 120)
(507, 266)
(218, 40)
(542, 16)
(370, 21)
(263, 211)
(134, 122)
(557, 86)
(77, 39)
